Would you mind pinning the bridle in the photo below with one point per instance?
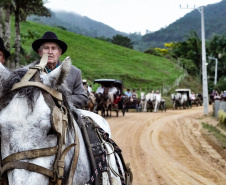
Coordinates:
(59, 123)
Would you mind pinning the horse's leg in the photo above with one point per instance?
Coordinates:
(103, 112)
(156, 104)
(108, 109)
(92, 107)
(153, 107)
(145, 106)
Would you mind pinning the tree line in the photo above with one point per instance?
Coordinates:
(189, 54)
(119, 40)
(20, 9)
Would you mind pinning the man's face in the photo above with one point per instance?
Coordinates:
(2, 57)
(53, 50)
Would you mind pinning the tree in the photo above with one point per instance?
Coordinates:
(190, 50)
(6, 8)
(1, 21)
(193, 47)
(122, 41)
(216, 48)
(21, 9)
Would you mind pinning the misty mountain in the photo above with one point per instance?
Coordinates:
(214, 17)
(76, 23)
(215, 23)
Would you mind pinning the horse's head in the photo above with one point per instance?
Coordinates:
(106, 90)
(173, 96)
(92, 96)
(178, 96)
(98, 97)
(25, 123)
(142, 96)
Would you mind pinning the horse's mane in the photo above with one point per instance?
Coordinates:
(30, 93)
(7, 84)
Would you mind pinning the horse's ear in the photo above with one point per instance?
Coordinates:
(58, 76)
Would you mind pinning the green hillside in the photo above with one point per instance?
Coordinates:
(100, 59)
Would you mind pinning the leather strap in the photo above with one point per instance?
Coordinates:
(61, 162)
(30, 73)
(40, 85)
(27, 166)
(75, 159)
(30, 154)
(43, 62)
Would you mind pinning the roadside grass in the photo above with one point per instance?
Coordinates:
(100, 59)
(223, 127)
(221, 138)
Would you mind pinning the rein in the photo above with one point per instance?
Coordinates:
(59, 122)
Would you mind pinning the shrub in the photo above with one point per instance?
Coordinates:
(190, 66)
(222, 117)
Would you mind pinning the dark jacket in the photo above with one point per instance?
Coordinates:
(74, 82)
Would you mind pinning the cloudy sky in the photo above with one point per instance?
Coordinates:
(131, 15)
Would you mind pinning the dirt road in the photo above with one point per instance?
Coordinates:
(168, 148)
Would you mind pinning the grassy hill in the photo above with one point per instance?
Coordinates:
(100, 59)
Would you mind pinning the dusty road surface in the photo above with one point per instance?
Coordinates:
(168, 148)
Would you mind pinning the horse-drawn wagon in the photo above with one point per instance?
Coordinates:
(116, 102)
(181, 98)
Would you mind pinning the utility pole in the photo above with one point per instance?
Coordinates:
(216, 64)
(204, 71)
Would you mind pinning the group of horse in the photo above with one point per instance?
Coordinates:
(106, 102)
(180, 100)
(185, 100)
(152, 102)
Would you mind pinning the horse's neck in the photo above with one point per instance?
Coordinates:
(172, 96)
(153, 97)
(184, 97)
(142, 96)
